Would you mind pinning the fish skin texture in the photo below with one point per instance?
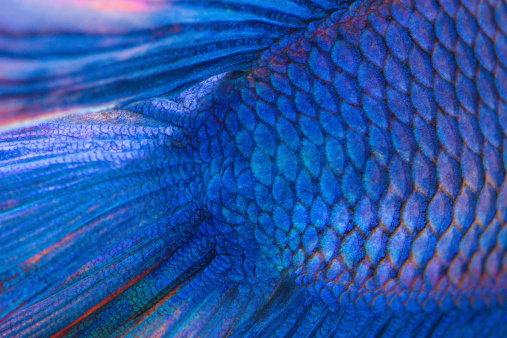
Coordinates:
(351, 183)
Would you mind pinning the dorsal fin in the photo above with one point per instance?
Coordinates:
(79, 55)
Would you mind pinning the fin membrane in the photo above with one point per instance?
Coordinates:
(60, 62)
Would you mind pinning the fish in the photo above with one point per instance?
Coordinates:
(253, 169)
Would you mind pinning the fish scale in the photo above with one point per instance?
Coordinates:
(384, 219)
(352, 182)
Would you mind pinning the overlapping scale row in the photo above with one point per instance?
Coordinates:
(375, 141)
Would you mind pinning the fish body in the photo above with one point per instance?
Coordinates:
(352, 182)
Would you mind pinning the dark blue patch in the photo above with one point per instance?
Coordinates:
(328, 186)
(319, 214)
(287, 133)
(373, 47)
(329, 244)
(286, 161)
(467, 93)
(264, 139)
(375, 180)
(401, 13)
(204, 151)
(379, 144)
(397, 74)
(446, 30)
(213, 189)
(310, 239)
(335, 155)
(400, 180)
(501, 77)
(449, 174)
(266, 112)
(473, 169)
(422, 31)
(398, 246)
(246, 183)
(446, 96)
(247, 117)
(487, 88)
(400, 105)
(365, 215)
(320, 65)
(376, 111)
(300, 218)
(486, 205)
(304, 188)
(466, 59)
(450, 6)
(485, 51)
(311, 129)
(423, 247)
(232, 123)
(323, 96)
(262, 167)
(466, 25)
(421, 67)
(286, 107)
(428, 8)
(494, 164)
(501, 48)
(216, 148)
(375, 245)
(229, 180)
(398, 41)
(350, 34)
(281, 219)
(262, 237)
(440, 213)
(356, 149)
(352, 249)
(265, 92)
(424, 101)
(299, 76)
(489, 237)
(449, 135)
(414, 212)
(311, 157)
(371, 79)
(469, 244)
(353, 117)
(281, 83)
(351, 185)
(340, 218)
(264, 198)
(403, 140)
(444, 63)
(347, 88)
(304, 104)
(470, 131)
(490, 126)
(282, 193)
(425, 175)
(378, 22)
(346, 56)
(331, 124)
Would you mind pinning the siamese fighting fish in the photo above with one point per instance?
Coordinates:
(253, 168)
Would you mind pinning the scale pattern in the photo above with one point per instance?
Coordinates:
(352, 183)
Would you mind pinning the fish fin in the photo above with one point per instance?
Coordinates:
(84, 56)
(73, 188)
